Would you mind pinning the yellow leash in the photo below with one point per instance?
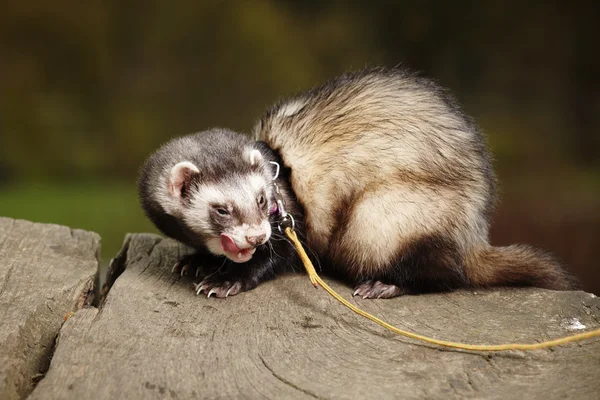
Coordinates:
(317, 281)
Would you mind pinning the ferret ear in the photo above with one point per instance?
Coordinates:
(255, 157)
(181, 177)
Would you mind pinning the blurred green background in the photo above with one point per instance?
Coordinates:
(89, 89)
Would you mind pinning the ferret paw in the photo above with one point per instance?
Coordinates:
(372, 289)
(187, 263)
(220, 288)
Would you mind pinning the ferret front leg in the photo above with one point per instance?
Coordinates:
(234, 278)
(197, 264)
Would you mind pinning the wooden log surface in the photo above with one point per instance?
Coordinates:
(154, 338)
(46, 271)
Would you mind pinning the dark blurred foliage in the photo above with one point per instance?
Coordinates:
(89, 89)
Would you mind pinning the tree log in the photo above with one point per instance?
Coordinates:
(155, 338)
(46, 271)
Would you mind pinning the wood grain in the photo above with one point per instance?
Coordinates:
(154, 338)
(46, 271)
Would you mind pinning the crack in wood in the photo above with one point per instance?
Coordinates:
(285, 381)
(115, 269)
(6, 279)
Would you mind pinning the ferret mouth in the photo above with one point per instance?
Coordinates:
(233, 252)
(242, 256)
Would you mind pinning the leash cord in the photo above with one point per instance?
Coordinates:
(317, 281)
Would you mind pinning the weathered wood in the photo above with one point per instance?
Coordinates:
(154, 338)
(46, 271)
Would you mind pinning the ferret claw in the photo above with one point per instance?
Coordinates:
(229, 290)
(175, 267)
(355, 292)
(210, 293)
(199, 288)
(184, 270)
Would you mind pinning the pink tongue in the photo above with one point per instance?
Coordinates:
(228, 244)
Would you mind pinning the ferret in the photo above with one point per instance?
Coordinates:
(215, 191)
(397, 187)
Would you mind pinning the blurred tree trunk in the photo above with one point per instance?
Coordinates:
(582, 103)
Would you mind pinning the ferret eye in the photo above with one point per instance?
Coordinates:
(222, 211)
(261, 200)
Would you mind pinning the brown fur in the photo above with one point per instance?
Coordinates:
(516, 264)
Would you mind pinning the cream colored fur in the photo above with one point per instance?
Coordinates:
(387, 144)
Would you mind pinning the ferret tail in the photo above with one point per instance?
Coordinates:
(517, 265)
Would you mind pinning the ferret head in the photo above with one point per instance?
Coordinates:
(226, 205)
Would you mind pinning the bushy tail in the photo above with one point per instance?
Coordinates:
(517, 265)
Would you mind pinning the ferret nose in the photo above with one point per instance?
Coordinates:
(255, 240)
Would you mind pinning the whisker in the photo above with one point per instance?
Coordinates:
(217, 271)
(274, 253)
